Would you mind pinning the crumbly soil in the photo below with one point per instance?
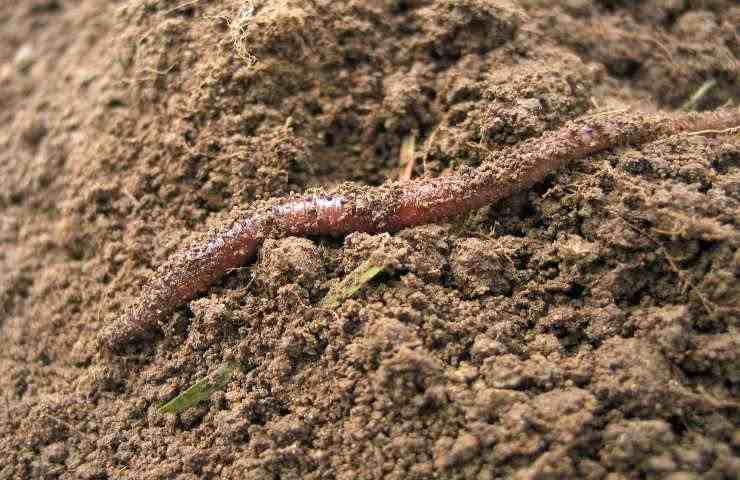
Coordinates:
(585, 328)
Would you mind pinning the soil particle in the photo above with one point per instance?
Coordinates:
(564, 414)
(632, 374)
(450, 452)
(290, 260)
(478, 268)
(635, 443)
(718, 353)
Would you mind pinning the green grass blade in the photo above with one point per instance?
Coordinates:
(351, 284)
(199, 391)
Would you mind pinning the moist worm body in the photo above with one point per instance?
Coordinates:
(389, 207)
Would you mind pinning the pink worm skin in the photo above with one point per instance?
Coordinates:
(389, 207)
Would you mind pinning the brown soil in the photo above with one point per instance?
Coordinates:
(586, 328)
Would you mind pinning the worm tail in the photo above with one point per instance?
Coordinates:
(184, 275)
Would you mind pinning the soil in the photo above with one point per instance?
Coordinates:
(586, 328)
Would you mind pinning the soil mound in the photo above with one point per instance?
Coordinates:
(585, 328)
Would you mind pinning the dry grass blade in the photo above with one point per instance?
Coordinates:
(182, 6)
(700, 93)
(407, 157)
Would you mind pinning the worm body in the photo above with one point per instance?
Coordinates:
(389, 207)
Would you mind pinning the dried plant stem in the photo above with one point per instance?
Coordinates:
(699, 95)
(408, 157)
(391, 207)
(686, 283)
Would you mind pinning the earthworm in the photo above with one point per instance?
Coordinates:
(353, 208)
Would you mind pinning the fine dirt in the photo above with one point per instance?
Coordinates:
(586, 328)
